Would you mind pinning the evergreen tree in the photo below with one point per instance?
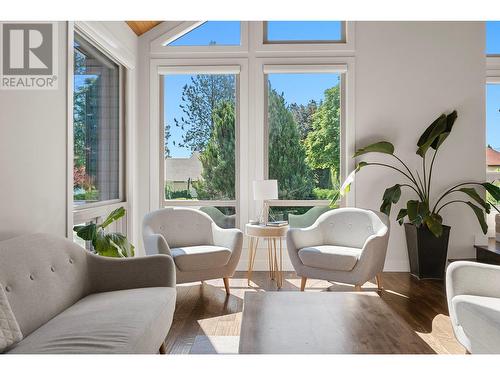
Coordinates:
(286, 152)
(303, 115)
(199, 100)
(323, 141)
(217, 159)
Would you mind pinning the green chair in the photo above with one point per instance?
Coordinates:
(308, 218)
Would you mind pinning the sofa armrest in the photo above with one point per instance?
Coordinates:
(304, 237)
(109, 274)
(156, 244)
(472, 278)
(228, 238)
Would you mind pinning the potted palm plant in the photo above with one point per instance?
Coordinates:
(426, 235)
(105, 243)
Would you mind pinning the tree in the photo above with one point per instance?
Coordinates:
(303, 115)
(323, 141)
(200, 99)
(217, 159)
(286, 152)
(165, 140)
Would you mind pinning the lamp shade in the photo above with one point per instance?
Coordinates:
(265, 189)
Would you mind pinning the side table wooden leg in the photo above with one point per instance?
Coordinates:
(250, 257)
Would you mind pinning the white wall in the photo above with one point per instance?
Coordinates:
(33, 148)
(407, 73)
(33, 156)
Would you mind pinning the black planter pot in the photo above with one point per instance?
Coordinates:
(427, 253)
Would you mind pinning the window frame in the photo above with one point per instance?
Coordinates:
(252, 99)
(342, 40)
(492, 78)
(100, 38)
(159, 45)
(189, 67)
(342, 70)
(121, 127)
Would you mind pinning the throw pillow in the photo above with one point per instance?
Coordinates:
(10, 333)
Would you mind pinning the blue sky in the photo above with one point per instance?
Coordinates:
(300, 88)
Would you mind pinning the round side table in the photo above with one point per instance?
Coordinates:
(273, 236)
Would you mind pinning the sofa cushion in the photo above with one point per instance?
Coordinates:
(335, 258)
(125, 321)
(195, 258)
(479, 318)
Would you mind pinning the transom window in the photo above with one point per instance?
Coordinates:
(304, 31)
(493, 38)
(211, 33)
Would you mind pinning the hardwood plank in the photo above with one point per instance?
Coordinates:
(205, 310)
(326, 323)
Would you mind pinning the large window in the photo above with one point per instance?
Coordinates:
(304, 31)
(200, 126)
(97, 134)
(303, 138)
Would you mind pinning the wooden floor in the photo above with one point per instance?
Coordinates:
(204, 313)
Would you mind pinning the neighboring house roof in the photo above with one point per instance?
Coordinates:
(182, 169)
(492, 157)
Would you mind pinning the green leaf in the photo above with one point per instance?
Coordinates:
(86, 232)
(381, 147)
(471, 192)
(493, 190)
(417, 211)
(434, 223)
(430, 135)
(480, 216)
(450, 120)
(113, 245)
(401, 215)
(113, 216)
(391, 195)
(360, 165)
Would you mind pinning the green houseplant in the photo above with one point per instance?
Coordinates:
(106, 244)
(426, 235)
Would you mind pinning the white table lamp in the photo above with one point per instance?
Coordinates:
(264, 190)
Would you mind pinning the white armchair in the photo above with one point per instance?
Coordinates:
(473, 293)
(345, 245)
(200, 249)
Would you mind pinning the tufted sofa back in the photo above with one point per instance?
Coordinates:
(42, 275)
(350, 226)
(180, 226)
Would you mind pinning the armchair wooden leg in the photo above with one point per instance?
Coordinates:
(303, 283)
(226, 285)
(163, 349)
(379, 281)
(357, 288)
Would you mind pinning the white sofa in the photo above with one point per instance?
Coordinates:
(347, 245)
(200, 249)
(473, 293)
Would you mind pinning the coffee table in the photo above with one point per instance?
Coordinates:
(324, 323)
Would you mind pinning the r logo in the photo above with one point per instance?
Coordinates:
(27, 49)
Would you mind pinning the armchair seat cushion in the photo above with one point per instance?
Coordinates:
(479, 318)
(196, 258)
(335, 258)
(121, 322)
